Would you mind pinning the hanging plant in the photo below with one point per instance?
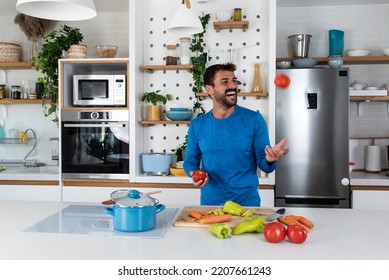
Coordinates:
(46, 63)
(199, 60)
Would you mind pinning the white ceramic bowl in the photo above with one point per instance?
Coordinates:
(283, 64)
(335, 61)
(358, 52)
(304, 62)
(385, 51)
(224, 15)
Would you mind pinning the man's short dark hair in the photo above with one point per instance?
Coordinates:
(210, 72)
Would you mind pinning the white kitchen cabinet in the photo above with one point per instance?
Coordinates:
(267, 198)
(168, 196)
(30, 193)
(365, 199)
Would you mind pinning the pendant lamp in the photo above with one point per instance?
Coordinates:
(59, 10)
(185, 21)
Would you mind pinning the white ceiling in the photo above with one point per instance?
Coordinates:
(101, 6)
(307, 3)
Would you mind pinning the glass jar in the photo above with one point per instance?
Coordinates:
(237, 14)
(171, 55)
(185, 50)
(3, 91)
(15, 92)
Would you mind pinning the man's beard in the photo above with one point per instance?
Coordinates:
(225, 101)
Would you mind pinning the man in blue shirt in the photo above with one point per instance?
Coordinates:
(229, 143)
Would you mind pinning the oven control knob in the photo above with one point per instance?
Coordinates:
(94, 115)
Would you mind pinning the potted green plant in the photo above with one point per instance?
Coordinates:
(54, 44)
(155, 98)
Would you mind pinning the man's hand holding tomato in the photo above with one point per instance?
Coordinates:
(199, 178)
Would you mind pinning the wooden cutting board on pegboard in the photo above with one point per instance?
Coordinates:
(184, 220)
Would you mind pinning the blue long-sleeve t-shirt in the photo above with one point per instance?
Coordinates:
(229, 150)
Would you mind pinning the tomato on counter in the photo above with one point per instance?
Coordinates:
(296, 234)
(274, 232)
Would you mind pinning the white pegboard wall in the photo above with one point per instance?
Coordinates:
(242, 48)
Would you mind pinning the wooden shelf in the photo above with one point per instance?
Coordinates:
(152, 68)
(350, 60)
(369, 98)
(258, 95)
(15, 65)
(148, 123)
(93, 108)
(218, 25)
(22, 101)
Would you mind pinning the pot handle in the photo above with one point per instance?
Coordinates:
(160, 208)
(109, 211)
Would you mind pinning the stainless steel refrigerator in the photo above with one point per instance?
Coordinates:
(313, 114)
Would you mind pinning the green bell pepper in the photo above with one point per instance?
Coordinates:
(248, 212)
(220, 230)
(233, 208)
(216, 212)
(254, 224)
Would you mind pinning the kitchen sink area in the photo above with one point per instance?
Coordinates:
(45, 172)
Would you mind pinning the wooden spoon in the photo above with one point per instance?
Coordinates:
(111, 202)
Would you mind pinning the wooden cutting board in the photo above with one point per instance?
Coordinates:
(184, 220)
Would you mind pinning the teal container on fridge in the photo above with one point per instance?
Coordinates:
(336, 42)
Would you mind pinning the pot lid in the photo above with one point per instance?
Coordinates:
(132, 199)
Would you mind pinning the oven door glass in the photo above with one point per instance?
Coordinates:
(95, 150)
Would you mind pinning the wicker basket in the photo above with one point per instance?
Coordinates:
(9, 52)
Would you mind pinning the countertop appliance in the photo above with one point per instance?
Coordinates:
(99, 90)
(94, 144)
(313, 114)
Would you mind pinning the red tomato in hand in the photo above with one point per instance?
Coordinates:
(199, 175)
(274, 232)
(296, 234)
(282, 81)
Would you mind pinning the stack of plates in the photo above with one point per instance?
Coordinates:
(358, 52)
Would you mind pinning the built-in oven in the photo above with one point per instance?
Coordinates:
(95, 144)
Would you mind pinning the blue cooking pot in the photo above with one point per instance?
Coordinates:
(134, 211)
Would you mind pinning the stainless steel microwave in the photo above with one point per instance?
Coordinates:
(99, 90)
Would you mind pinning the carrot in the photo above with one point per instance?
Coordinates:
(290, 221)
(195, 215)
(303, 221)
(216, 219)
(297, 223)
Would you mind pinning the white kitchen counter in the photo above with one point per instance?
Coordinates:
(19, 173)
(361, 178)
(338, 234)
